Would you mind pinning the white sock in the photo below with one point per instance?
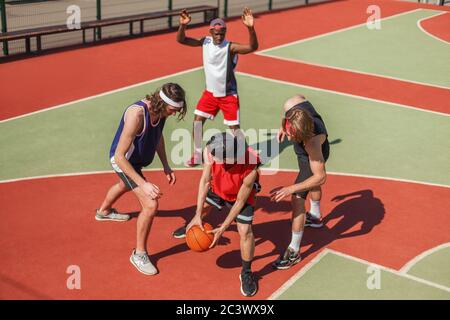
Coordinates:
(315, 208)
(295, 240)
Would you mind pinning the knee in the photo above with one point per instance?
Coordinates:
(150, 207)
(245, 232)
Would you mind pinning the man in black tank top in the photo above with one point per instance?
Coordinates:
(305, 127)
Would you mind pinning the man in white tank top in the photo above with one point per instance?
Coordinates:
(219, 61)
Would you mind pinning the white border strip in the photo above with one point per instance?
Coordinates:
(405, 269)
(379, 75)
(266, 52)
(343, 94)
(419, 25)
(194, 169)
(101, 94)
(334, 32)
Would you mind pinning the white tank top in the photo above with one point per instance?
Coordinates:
(219, 68)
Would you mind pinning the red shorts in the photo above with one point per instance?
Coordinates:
(208, 106)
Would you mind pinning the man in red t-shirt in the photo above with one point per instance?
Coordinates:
(230, 178)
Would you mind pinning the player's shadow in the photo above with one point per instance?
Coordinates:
(362, 210)
(214, 218)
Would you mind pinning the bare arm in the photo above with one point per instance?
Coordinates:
(241, 200)
(134, 122)
(316, 163)
(242, 197)
(247, 19)
(161, 150)
(185, 18)
(203, 187)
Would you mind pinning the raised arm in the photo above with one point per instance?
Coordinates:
(185, 18)
(248, 21)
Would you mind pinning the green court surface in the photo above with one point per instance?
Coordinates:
(399, 49)
(426, 267)
(367, 137)
(337, 276)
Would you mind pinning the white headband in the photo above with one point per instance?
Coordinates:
(170, 101)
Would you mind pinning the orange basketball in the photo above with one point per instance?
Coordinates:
(199, 240)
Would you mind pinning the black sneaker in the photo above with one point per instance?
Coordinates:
(179, 233)
(312, 221)
(287, 259)
(248, 284)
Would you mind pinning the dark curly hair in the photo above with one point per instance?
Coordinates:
(173, 91)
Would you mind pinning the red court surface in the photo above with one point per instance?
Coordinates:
(48, 225)
(44, 81)
(438, 26)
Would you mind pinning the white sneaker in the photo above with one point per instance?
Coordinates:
(112, 216)
(142, 263)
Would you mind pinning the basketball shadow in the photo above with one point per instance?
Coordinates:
(215, 218)
(360, 208)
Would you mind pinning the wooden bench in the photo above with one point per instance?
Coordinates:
(209, 12)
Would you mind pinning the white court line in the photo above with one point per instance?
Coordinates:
(194, 169)
(379, 75)
(405, 269)
(398, 273)
(266, 54)
(326, 251)
(419, 25)
(298, 275)
(333, 32)
(101, 94)
(344, 94)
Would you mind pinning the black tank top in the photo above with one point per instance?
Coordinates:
(319, 128)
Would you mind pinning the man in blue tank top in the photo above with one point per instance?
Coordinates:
(135, 143)
(305, 127)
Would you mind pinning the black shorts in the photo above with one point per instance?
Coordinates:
(129, 183)
(305, 169)
(247, 212)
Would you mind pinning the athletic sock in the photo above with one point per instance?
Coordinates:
(315, 208)
(295, 241)
(139, 253)
(246, 266)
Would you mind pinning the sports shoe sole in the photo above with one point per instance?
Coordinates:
(146, 273)
(314, 225)
(289, 266)
(179, 236)
(109, 219)
(242, 291)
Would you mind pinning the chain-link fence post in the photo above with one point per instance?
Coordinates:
(170, 7)
(4, 26)
(225, 8)
(99, 17)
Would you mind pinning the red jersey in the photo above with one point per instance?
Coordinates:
(227, 179)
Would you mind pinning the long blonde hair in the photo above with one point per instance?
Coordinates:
(299, 123)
